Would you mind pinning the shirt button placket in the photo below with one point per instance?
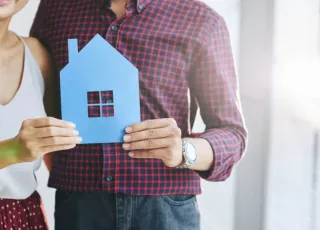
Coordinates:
(112, 34)
(114, 28)
(140, 7)
(108, 176)
(108, 179)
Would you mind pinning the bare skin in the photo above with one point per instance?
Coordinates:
(37, 136)
(119, 7)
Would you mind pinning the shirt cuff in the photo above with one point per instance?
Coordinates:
(227, 152)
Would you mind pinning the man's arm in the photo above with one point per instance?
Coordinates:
(40, 21)
(214, 84)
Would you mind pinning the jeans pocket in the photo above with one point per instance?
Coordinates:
(180, 200)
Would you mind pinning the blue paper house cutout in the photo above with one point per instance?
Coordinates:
(99, 91)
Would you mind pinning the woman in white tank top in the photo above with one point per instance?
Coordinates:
(26, 134)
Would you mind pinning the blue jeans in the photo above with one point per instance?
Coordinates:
(105, 211)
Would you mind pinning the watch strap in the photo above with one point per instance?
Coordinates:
(185, 163)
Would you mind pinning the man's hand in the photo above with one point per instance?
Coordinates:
(40, 136)
(160, 139)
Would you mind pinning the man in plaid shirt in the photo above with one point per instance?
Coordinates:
(183, 53)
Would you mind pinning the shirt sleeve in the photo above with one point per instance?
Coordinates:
(214, 85)
(40, 21)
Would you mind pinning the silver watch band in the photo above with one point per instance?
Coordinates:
(185, 163)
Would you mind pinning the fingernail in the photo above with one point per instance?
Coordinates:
(131, 154)
(128, 129)
(79, 139)
(72, 125)
(127, 137)
(126, 146)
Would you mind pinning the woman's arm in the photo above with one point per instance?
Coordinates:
(9, 153)
(48, 160)
(36, 138)
(44, 60)
(43, 135)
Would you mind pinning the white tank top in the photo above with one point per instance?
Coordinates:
(18, 181)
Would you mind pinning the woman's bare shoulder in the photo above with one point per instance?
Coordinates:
(41, 54)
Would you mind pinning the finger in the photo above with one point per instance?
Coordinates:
(52, 141)
(55, 132)
(151, 124)
(47, 122)
(50, 149)
(148, 144)
(150, 134)
(147, 154)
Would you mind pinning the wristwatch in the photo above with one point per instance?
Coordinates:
(189, 154)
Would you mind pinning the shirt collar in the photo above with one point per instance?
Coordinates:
(139, 4)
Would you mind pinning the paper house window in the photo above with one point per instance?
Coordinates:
(100, 104)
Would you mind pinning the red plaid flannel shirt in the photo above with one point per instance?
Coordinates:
(183, 53)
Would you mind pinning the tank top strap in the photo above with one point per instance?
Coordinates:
(33, 66)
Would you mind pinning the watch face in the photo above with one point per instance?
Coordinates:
(191, 152)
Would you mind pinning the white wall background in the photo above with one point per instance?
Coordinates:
(296, 87)
(217, 202)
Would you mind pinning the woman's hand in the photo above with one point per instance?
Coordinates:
(40, 136)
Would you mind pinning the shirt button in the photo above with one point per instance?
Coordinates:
(114, 28)
(109, 178)
(140, 7)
